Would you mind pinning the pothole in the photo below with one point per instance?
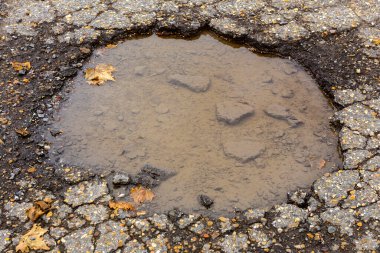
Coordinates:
(241, 128)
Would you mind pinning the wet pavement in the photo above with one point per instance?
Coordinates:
(337, 41)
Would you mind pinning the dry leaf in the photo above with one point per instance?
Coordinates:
(38, 209)
(111, 46)
(376, 41)
(1, 142)
(121, 205)
(23, 132)
(17, 66)
(322, 164)
(100, 74)
(32, 240)
(141, 194)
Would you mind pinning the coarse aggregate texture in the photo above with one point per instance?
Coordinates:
(337, 41)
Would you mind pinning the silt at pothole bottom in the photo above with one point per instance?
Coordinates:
(221, 121)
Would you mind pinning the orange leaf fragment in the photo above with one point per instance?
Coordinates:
(32, 240)
(17, 66)
(376, 41)
(141, 194)
(39, 208)
(121, 205)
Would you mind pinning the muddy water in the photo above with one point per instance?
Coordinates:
(241, 128)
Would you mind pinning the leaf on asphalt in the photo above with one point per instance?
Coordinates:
(33, 240)
(24, 132)
(121, 205)
(376, 41)
(100, 74)
(38, 209)
(17, 66)
(140, 194)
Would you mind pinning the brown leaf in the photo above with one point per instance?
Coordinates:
(38, 209)
(121, 205)
(100, 74)
(24, 132)
(33, 240)
(141, 194)
(17, 66)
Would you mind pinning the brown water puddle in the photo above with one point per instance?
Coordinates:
(241, 128)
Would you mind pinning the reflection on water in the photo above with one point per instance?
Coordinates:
(240, 128)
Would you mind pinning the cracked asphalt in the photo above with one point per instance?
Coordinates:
(338, 42)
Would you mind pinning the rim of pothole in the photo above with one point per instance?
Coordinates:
(336, 197)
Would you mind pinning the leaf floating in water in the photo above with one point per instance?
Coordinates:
(32, 240)
(322, 164)
(141, 194)
(121, 205)
(100, 74)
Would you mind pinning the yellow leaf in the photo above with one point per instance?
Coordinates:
(100, 74)
(17, 66)
(141, 194)
(32, 240)
(376, 41)
(121, 205)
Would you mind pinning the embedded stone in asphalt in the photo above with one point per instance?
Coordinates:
(347, 97)
(85, 193)
(359, 117)
(370, 212)
(5, 239)
(333, 188)
(288, 216)
(234, 243)
(256, 235)
(79, 241)
(351, 140)
(342, 218)
(93, 213)
(112, 236)
(352, 158)
(372, 164)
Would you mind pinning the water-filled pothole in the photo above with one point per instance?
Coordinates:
(241, 128)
